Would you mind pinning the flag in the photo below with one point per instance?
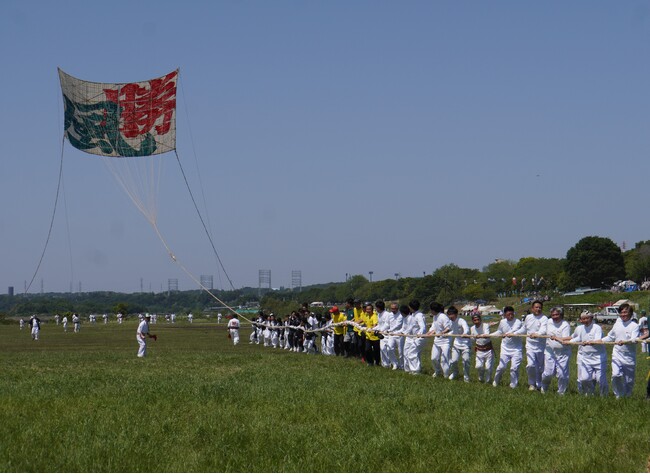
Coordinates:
(134, 119)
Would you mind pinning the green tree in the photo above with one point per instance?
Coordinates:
(637, 262)
(595, 261)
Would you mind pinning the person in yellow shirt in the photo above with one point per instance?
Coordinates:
(361, 335)
(370, 320)
(339, 331)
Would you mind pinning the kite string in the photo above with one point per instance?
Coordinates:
(49, 232)
(197, 281)
(201, 219)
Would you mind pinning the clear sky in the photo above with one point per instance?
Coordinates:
(329, 137)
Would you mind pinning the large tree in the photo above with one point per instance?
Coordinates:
(595, 261)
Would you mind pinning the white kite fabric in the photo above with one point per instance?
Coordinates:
(131, 119)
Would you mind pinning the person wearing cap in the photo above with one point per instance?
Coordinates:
(233, 329)
(414, 325)
(511, 351)
(591, 359)
(142, 334)
(483, 348)
(339, 329)
(35, 324)
(556, 354)
(441, 344)
(623, 333)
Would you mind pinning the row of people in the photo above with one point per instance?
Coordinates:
(394, 339)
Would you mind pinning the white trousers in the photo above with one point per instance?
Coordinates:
(394, 348)
(440, 359)
(512, 358)
(535, 367)
(483, 364)
(234, 335)
(622, 378)
(556, 363)
(412, 348)
(592, 372)
(35, 332)
(457, 354)
(142, 346)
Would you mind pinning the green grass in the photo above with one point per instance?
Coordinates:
(84, 403)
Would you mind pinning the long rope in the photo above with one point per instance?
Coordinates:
(49, 232)
(202, 221)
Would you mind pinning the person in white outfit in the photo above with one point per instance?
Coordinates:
(414, 324)
(394, 345)
(35, 324)
(511, 347)
(142, 334)
(441, 344)
(643, 326)
(77, 322)
(65, 323)
(21, 323)
(592, 359)
(382, 325)
(233, 329)
(556, 354)
(483, 348)
(622, 333)
(461, 345)
(534, 326)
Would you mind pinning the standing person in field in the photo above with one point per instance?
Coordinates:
(233, 329)
(119, 318)
(383, 321)
(65, 323)
(35, 324)
(414, 324)
(21, 323)
(57, 318)
(142, 334)
(556, 354)
(483, 348)
(190, 317)
(77, 322)
(623, 333)
(350, 337)
(370, 321)
(511, 347)
(339, 329)
(592, 359)
(460, 346)
(394, 346)
(441, 344)
(533, 327)
(360, 335)
(105, 318)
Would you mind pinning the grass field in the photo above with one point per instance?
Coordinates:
(84, 402)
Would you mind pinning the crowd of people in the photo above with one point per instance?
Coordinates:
(394, 338)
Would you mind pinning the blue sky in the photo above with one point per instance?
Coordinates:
(330, 137)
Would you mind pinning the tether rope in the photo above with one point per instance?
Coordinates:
(202, 221)
(49, 232)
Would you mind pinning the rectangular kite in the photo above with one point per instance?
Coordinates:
(134, 119)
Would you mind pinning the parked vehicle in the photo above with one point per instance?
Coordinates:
(608, 315)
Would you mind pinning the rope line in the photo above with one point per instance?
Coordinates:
(202, 221)
(49, 232)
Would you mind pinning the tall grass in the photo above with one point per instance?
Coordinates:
(84, 402)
